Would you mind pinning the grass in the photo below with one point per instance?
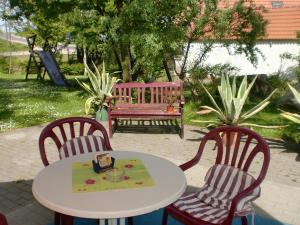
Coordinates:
(27, 103)
(5, 47)
(270, 116)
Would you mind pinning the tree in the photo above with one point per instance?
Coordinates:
(145, 36)
(41, 18)
(238, 25)
(4, 14)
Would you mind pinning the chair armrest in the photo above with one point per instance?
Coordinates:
(239, 197)
(188, 164)
(182, 101)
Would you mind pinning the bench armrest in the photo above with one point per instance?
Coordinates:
(181, 103)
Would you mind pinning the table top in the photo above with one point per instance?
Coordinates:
(52, 187)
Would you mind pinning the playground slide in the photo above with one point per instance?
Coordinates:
(52, 68)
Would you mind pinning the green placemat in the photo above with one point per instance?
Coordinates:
(84, 179)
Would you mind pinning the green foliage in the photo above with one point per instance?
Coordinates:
(41, 18)
(100, 88)
(293, 116)
(233, 100)
(208, 74)
(142, 35)
(33, 102)
(6, 47)
(75, 69)
(17, 64)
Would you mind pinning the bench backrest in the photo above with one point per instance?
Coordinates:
(149, 93)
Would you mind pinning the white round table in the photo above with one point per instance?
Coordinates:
(52, 187)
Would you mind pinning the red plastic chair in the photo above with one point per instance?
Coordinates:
(64, 134)
(63, 131)
(3, 220)
(230, 188)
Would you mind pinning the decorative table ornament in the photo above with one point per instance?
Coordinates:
(103, 162)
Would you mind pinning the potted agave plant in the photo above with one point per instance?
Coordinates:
(99, 89)
(233, 100)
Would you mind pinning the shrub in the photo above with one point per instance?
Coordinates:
(72, 69)
(208, 75)
(18, 64)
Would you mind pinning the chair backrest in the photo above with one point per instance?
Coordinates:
(3, 220)
(236, 147)
(63, 132)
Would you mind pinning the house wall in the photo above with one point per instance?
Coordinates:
(270, 63)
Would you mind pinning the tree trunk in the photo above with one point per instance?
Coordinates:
(165, 63)
(125, 57)
(79, 54)
(85, 61)
(120, 74)
(181, 73)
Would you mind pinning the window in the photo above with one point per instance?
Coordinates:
(277, 4)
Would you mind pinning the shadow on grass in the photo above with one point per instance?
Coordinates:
(6, 101)
(32, 102)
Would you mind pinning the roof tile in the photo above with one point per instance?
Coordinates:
(283, 17)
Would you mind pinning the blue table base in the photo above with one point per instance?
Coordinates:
(156, 218)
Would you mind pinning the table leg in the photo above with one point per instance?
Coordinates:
(101, 221)
(112, 221)
(122, 221)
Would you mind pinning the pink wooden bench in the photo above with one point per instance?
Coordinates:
(145, 101)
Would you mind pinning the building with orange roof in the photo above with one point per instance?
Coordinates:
(283, 18)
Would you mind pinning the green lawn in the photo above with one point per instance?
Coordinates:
(27, 103)
(270, 116)
(4, 46)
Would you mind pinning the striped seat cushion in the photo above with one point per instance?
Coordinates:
(212, 202)
(81, 145)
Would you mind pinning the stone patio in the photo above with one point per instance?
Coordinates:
(20, 162)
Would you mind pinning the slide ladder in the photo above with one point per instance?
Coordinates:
(45, 62)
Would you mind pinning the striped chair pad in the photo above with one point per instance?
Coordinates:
(212, 202)
(80, 145)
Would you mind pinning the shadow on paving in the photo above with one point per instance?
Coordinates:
(258, 210)
(201, 134)
(15, 195)
(148, 126)
(290, 147)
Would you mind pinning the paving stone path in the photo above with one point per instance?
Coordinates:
(20, 162)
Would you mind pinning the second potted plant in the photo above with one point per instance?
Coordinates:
(170, 103)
